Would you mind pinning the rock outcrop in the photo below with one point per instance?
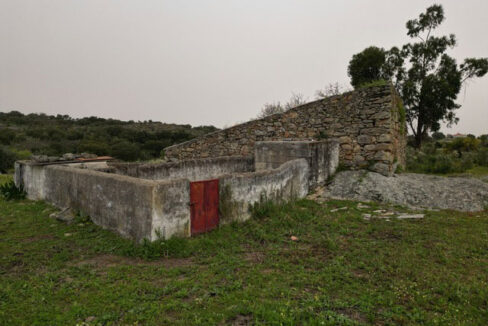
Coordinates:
(409, 189)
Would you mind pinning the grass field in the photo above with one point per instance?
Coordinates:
(343, 270)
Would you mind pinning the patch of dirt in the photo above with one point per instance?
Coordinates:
(360, 274)
(352, 314)
(39, 238)
(106, 261)
(241, 320)
(256, 257)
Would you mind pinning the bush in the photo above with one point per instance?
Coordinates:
(125, 151)
(6, 136)
(22, 154)
(10, 191)
(438, 135)
(94, 147)
(7, 160)
(439, 162)
(482, 157)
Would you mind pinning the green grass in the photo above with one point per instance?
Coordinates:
(478, 171)
(343, 270)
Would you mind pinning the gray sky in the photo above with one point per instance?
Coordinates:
(206, 61)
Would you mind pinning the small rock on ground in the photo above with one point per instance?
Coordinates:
(66, 215)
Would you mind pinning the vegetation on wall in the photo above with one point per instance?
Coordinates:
(23, 135)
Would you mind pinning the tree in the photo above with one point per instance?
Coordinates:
(273, 108)
(7, 160)
(330, 89)
(366, 66)
(438, 135)
(125, 151)
(426, 77)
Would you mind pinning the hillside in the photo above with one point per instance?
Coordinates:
(23, 135)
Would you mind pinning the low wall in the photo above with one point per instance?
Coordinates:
(194, 170)
(140, 209)
(135, 208)
(322, 157)
(369, 123)
(238, 192)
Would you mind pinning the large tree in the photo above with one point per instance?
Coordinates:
(428, 79)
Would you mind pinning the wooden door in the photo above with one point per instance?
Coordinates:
(204, 201)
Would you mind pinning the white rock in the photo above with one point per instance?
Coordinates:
(408, 216)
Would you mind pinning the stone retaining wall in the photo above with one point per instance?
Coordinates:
(369, 124)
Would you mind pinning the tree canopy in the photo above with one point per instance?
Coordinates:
(427, 78)
(366, 66)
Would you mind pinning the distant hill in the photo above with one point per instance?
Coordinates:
(25, 134)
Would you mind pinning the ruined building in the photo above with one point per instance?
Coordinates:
(369, 124)
(217, 178)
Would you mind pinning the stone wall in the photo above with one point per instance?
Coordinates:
(369, 124)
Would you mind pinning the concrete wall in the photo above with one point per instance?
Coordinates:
(238, 192)
(322, 157)
(194, 170)
(368, 122)
(135, 208)
(139, 208)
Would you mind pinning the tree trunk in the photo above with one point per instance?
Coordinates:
(418, 136)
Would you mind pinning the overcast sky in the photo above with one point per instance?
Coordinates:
(206, 61)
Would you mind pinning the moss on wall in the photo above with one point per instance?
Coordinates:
(228, 208)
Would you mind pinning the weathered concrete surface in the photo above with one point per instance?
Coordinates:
(148, 201)
(31, 177)
(322, 157)
(194, 170)
(147, 209)
(238, 192)
(171, 209)
(135, 208)
(369, 123)
(414, 190)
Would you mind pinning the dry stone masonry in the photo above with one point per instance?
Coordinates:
(369, 123)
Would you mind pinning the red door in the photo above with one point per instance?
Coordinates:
(204, 205)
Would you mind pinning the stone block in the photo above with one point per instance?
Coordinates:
(383, 156)
(365, 139)
(384, 138)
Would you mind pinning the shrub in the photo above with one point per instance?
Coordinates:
(125, 151)
(461, 145)
(482, 157)
(438, 135)
(10, 191)
(439, 161)
(94, 147)
(22, 154)
(6, 136)
(7, 160)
